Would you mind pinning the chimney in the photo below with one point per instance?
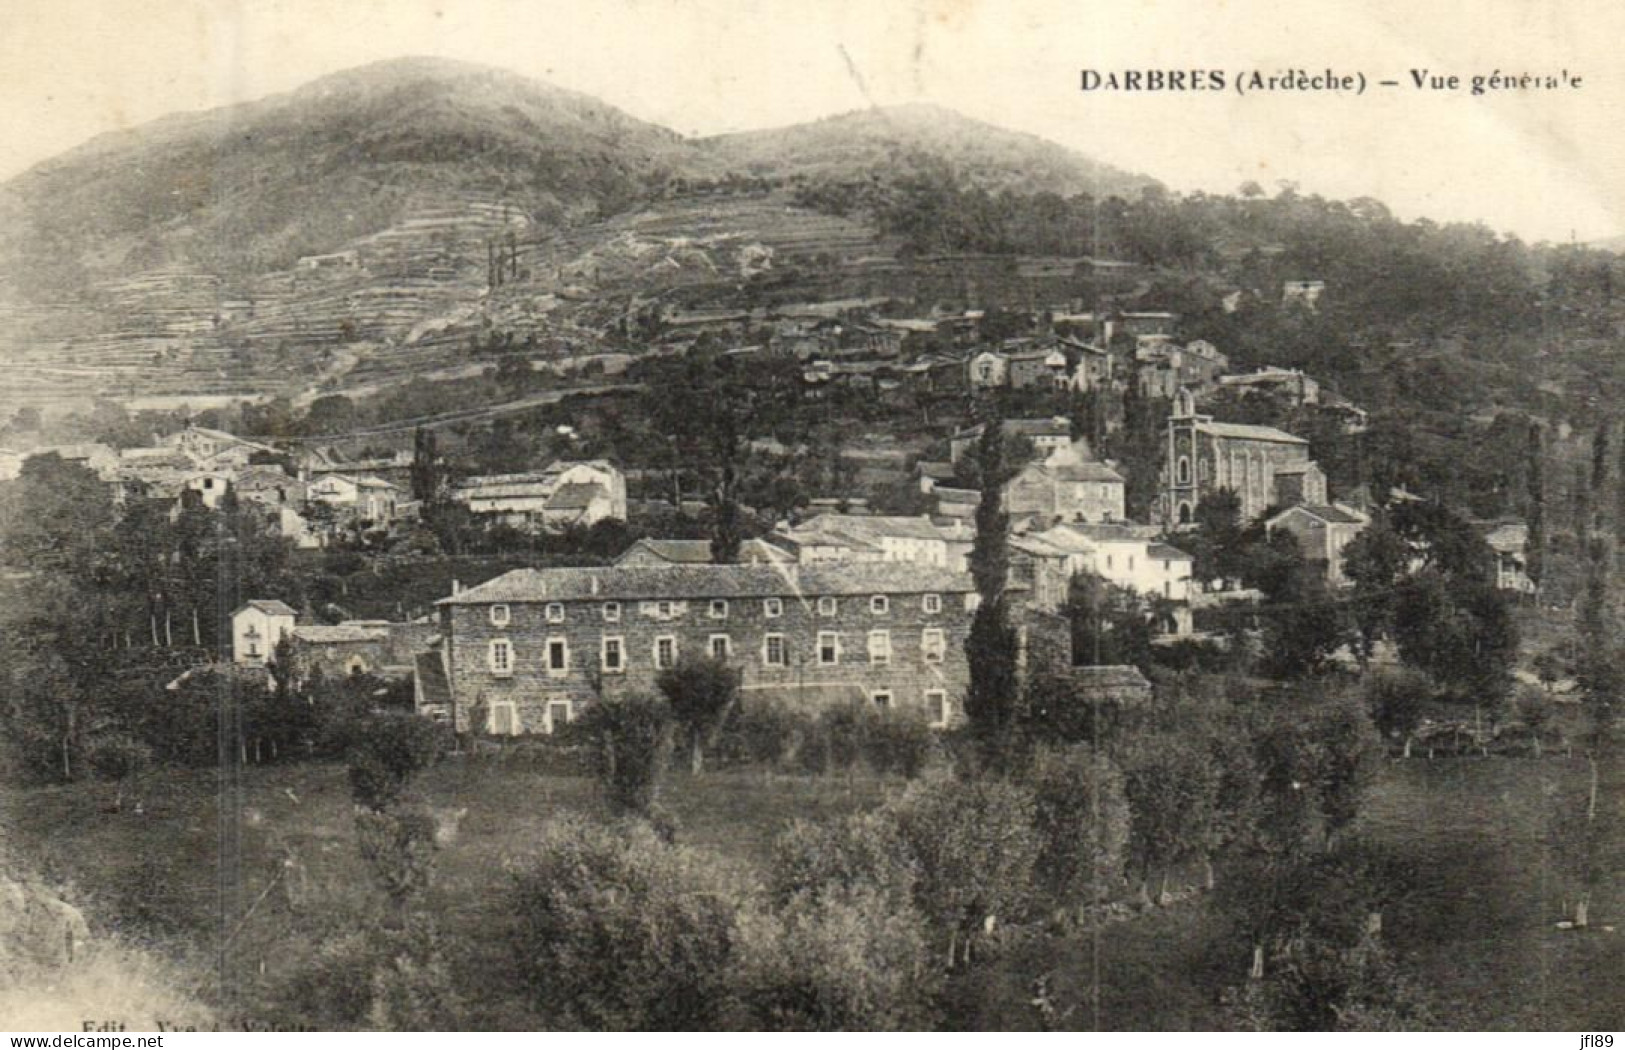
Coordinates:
(594, 579)
(456, 588)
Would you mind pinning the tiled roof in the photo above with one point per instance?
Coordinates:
(1249, 432)
(1325, 512)
(1163, 552)
(1113, 677)
(677, 582)
(1085, 471)
(577, 495)
(433, 685)
(678, 552)
(269, 606)
(339, 634)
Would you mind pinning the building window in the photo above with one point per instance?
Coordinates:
(555, 612)
(1184, 471)
(826, 607)
(773, 650)
(721, 647)
(881, 697)
(499, 615)
(612, 612)
(880, 647)
(502, 719)
(558, 656)
(665, 652)
(1108, 561)
(1131, 563)
(932, 603)
(614, 660)
(560, 713)
(664, 610)
(936, 707)
(829, 647)
(879, 605)
(501, 657)
(933, 645)
(719, 609)
(772, 607)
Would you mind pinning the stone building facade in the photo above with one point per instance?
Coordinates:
(531, 649)
(1264, 466)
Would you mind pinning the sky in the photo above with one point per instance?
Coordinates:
(1541, 164)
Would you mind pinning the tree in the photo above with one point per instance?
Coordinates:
(992, 700)
(1215, 544)
(1111, 625)
(1081, 814)
(426, 469)
(633, 741)
(1375, 561)
(613, 929)
(386, 752)
(700, 693)
(1172, 789)
(975, 850)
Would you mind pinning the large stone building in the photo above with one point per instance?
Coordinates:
(1263, 466)
(1067, 485)
(529, 650)
(568, 493)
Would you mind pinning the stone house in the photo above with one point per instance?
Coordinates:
(529, 650)
(1066, 486)
(1322, 531)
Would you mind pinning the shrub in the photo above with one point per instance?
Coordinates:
(632, 739)
(762, 733)
(861, 851)
(1082, 819)
(975, 849)
(386, 752)
(813, 750)
(852, 961)
(1396, 699)
(398, 848)
(899, 744)
(616, 930)
(412, 987)
(847, 730)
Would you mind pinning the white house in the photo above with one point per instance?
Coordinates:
(257, 627)
(364, 499)
(989, 369)
(210, 486)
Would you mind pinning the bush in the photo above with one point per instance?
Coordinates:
(899, 744)
(761, 733)
(398, 849)
(847, 730)
(863, 851)
(386, 752)
(1082, 819)
(616, 930)
(632, 740)
(814, 754)
(853, 961)
(1396, 699)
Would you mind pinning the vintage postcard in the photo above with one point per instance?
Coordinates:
(715, 515)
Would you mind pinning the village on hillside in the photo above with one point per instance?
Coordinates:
(487, 562)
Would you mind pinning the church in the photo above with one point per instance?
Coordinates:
(1264, 466)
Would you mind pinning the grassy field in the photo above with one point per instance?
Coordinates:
(1475, 919)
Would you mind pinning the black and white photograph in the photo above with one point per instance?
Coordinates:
(811, 515)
